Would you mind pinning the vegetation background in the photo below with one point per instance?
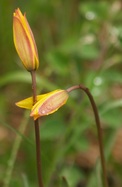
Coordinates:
(79, 41)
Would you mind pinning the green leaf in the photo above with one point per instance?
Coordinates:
(89, 51)
(52, 129)
(72, 175)
(99, 10)
(58, 61)
(111, 106)
(24, 77)
(64, 182)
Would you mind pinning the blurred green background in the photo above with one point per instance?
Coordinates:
(78, 42)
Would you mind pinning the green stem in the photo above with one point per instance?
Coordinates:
(16, 145)
(97, 119)
(37, 135)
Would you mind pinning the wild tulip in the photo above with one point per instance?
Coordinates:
(24, 41)
(46, 103)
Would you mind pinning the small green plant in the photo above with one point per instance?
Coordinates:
(41, 105)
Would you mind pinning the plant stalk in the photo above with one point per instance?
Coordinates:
(97, 119)
(37, 135)
(14, 151)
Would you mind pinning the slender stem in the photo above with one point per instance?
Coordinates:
(37, 135)
(97, 119)
(33, 76)
(38, 152)
(14, 151)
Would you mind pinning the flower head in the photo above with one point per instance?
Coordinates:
(46, 103)
(24, 41)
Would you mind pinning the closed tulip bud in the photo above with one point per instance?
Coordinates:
(24, 41)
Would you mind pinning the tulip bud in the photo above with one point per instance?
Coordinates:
(24, 41)
(49, 104)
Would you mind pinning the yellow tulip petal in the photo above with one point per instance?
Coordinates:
(28, 102)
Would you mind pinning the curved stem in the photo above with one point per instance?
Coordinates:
(37, 135)
(97, 119)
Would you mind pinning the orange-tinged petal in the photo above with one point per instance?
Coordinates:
(50, 103)
(24, 41)
(22, 44)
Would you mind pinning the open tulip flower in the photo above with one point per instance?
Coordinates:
(24, 41)
(46, 103)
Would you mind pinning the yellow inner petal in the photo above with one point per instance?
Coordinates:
(28, 103)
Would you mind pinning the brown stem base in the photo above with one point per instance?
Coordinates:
(38, 152)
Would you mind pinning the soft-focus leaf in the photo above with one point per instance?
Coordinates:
(111, 106)
(64, 182)
(72, 175)
(24, 77)
(52, 129)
